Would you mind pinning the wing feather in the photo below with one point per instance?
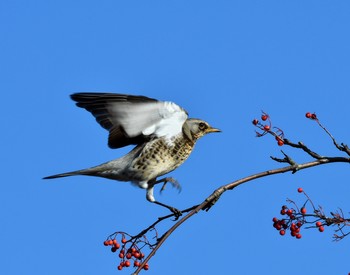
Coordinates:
(132, 119)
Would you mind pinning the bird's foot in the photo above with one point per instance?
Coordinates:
(177, 213)
(173, 182)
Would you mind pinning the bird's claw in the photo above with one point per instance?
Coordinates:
(177, 213)
(173, 182)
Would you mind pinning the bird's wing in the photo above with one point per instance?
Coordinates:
(132, 119)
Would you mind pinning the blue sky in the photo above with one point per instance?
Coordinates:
(223, 61)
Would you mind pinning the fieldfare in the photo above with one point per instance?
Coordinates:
(163, 134)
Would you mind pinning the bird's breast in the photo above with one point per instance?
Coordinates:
(160, 156)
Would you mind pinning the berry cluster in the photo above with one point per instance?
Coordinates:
(295, 219)
(133, 253)
(293, 223)
(266, 127)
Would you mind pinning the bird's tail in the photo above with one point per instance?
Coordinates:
(86, 172)
(111, 169)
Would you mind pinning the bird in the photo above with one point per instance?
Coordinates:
(162, 134)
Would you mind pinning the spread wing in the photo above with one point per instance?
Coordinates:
(132, 119)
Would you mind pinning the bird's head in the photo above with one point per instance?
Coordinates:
(196, 128)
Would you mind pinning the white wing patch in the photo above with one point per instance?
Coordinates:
(136, 117)
(172, 117)
(155, 118)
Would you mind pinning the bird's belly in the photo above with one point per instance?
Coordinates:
(148, 169)
(151, 166)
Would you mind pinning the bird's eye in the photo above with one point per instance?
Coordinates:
(202, 126)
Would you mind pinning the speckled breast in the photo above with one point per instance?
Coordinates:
(161, 156)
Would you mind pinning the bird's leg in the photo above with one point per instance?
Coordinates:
(150, 197)
(173, 182)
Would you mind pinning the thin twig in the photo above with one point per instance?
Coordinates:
(302, 146)
(343, 147)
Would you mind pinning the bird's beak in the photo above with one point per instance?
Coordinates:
(213, 130)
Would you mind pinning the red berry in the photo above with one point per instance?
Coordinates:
(275, 219)
(303, 210)
(321, 228)
(136, 255)
(300, 190)
(283, 212)
(113, 249)
(289, 212)
(121, 255)
(318, 224)
(146, 267)
(278, 226)
(308, 115)
(255, 121)
(105, 243)
(299, 224)
(280, 142)
(137, 264)
(124, 240)
(120, 267)
(128, 256)
(267, 127)
(264, 117)
(313, 116)
(282, 232)
(110, 242)
(127, 263)
(298, 236)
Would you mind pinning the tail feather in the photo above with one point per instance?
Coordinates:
(111, 170)
(73, 173)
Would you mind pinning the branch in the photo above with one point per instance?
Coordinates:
(139, 241)
(215, 196)
(342, 147)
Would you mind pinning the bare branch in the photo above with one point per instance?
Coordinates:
(302, 146)
(265, 128)
(215, 196)
(342, 147)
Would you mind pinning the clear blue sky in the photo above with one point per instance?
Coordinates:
(223, 61)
